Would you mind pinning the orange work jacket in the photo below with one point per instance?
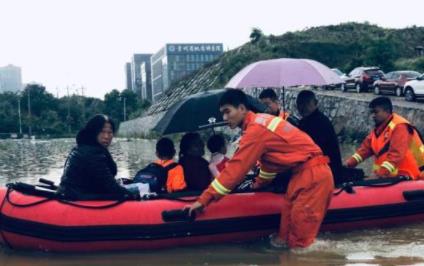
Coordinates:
(382, 143)
(274, 142)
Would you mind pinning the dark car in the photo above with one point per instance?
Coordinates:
(393, 82)
(362, 78)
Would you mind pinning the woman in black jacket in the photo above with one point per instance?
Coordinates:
(90, 171)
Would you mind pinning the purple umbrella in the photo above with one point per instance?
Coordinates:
(283, 72)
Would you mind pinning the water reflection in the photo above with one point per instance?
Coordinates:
(26, 160)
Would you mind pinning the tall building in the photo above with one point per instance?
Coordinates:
(136, 81)
(10, 78)
(146, 81)
(128, 82)
(176, 60)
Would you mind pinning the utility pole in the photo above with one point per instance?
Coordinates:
(29, 112)
(68, 117)
(125, 109)
(19, 115)
(83, 103)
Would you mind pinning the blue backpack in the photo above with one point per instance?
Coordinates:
(155, 175)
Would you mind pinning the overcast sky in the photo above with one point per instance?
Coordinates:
(86, 43)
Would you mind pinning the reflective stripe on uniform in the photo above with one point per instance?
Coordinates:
(422, 148)
(389, 166)
(357, 157)
(274, 123)
(220, 188)
(375, 167)
(392, 125)
(266, 175)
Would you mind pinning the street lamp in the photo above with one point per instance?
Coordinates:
(123, 99)
(29, 112)
(19, 115)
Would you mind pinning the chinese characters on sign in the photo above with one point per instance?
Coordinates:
(185, 48)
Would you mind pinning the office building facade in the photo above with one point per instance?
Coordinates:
(146, 81)
(128, 81)
(10, 79)
(177, 60)
(136, 81)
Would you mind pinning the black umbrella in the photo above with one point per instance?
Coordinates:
(196, 111)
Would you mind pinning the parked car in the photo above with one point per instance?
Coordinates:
(339, 85)
(339, 73)
(394, 82)
(362, 78)
(414, 89)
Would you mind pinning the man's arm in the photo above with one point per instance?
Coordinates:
(251, 148)
(362, 153)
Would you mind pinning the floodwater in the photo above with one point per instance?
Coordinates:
(25, 160)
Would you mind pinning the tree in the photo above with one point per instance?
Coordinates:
(255, 35)
(113, 106)
(9, 112)
(40, 99)
(381, 52)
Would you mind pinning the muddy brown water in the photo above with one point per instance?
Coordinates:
(25, 160)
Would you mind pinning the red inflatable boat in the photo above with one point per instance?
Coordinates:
(31, 222)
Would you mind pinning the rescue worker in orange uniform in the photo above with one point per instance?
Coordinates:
(269, 98)
(165, 151)
(395, 144)
(279, 146)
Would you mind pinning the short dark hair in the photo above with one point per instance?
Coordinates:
(215, 143)
(165, 148)
(384, 102)
(305, 96)
(186, 142)
(268, 93)
(234, 97)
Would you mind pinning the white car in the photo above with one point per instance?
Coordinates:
(414, 89)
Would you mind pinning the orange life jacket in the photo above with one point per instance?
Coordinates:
(175, 181)
(413, 161)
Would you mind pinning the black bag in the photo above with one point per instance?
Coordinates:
(155, 175)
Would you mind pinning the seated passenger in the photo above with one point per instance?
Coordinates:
(89, 168)
(321, 130)
(218, 148)
(165, 151)
(196, 168)
(394, 142)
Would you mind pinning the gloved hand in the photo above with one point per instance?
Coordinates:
(351, 162)
(382, 172)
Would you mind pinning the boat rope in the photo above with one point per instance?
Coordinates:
(383, 182)
(10, 188)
